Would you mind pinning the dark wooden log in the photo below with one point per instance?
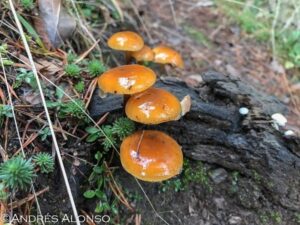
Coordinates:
(215, 132)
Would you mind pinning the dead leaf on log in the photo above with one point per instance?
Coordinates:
(186, 104)
(55, 25)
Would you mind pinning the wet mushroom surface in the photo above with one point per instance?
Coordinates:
(144, 55)
(151, 155)
(153, 106)
(128, 79)
(126, 41)
(166, 55)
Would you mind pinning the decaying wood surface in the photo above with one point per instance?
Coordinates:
(214, 132)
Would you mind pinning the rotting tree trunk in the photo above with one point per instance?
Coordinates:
(214, 132)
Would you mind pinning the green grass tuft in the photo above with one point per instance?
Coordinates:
(72, 70)
(45, 161)
(79, 86)
(17, 173)
(197, 35)
(96, 68)
(123, 127)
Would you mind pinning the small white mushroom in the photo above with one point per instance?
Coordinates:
(279, 119)
(243, 111)
(289, 133)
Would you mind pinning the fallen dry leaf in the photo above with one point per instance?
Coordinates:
(186, 104)
(58, 24)
(31, 97)
(50, 67)
(193, 80)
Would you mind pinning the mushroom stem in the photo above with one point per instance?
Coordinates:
(125, 100)
(127, 57)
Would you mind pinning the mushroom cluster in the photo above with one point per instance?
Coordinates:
(148, 155)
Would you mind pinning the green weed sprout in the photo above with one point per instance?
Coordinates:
(96, 67)
(25, 76)
(71, 58)
(17, 173)
(5, 111)
(120, 129)
(111, 140)
(45, 161)
(72, 70)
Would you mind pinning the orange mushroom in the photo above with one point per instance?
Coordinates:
(166, 55)
(151, 156)
(144, 55)
(153, 106)
(128, 79)
(126, 41)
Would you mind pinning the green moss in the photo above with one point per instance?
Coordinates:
(256, 176)
(72, 70)
(190, 174)
(276, 217)
(264, 218)
(79, 86)
(96, 68)
(234, 182)
(270, 217)
(297, 218)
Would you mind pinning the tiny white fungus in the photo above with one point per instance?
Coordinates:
(289, 133)
(279, 119)
(243, 111)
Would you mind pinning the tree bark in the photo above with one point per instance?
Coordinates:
(215, 132)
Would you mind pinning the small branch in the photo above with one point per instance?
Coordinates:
(16, 204)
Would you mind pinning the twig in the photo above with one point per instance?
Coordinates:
(141, 21)
(84, 54)
(173, 13)
(16, 204)
(85, 28)
(150, 203)
(3, 153)
(252, 6)
(273, 41)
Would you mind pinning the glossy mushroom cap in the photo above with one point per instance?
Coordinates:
(128, 79)
(144, 55)
(166, 55)
(153, 106)
(126, 41)
(151, 156)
